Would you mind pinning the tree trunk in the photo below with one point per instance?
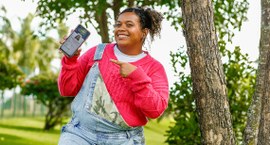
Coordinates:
(209, 86)
(102, 20)
(57, 109)
(258, 125)
(131, 3)
(117, 4)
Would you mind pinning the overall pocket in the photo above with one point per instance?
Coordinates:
(103, 106)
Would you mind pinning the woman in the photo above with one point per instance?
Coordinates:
(118, 86)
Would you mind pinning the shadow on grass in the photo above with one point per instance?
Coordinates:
(14, 140)
(26, 128)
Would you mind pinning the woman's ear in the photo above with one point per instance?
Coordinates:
(145, 32)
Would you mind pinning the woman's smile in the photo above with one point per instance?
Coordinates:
(122, 36)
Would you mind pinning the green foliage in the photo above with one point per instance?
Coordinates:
(239, 73)
(63, 8)
(6, 32)
(10, 75)
(31, 52)
(240, 76)
(44, 88)
(99, 13)
(229, 15)
(185, 130)
(24, 48)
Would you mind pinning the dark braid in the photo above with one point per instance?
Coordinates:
(149, 19)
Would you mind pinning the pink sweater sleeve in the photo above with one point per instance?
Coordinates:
(73, 72)
(151, 92)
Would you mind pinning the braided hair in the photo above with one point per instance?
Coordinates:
(149, 19)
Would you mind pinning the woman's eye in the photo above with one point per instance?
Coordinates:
(129, 25)
(117, 25)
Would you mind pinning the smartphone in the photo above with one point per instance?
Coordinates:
(74, 40)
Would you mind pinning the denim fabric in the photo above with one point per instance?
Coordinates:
(103, 106)
(75, 133)
(86, 128)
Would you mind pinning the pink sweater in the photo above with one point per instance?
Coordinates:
(142, 94)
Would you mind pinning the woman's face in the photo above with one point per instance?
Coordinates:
(128, 31)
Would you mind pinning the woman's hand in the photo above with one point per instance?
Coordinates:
(125, 67)
(77, 53)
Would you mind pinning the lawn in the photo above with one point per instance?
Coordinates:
(28, 131)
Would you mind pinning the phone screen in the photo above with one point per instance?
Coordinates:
(75, 40)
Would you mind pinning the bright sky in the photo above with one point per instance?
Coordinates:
(171, 40)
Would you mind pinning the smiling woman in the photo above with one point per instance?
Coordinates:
(112, 83)
(161, 47)
(131, 30)
(128, 34)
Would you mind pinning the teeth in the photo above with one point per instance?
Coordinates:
(122, 36)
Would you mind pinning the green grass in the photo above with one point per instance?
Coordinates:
(28, 131)
(155, 131)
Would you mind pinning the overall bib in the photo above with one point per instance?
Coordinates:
(95, 119)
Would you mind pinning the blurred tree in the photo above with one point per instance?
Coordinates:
(31, 53)
(44, 88)
(24, 47)
(10, 76)
(100, 13)
(229, 14)
(6, 33)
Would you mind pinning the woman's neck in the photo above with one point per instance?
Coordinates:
(130, 50)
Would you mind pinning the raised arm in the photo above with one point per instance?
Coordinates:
(73, 72)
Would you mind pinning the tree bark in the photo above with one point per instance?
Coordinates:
(117, 4)
(208, 79)
(257, 131)
(102, 20)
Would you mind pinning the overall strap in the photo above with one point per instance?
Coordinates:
(99, 51)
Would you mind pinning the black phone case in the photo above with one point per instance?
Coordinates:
(69, 37)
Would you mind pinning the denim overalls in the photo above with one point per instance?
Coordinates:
(95, 119)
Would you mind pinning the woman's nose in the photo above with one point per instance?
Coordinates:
(121, 28)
